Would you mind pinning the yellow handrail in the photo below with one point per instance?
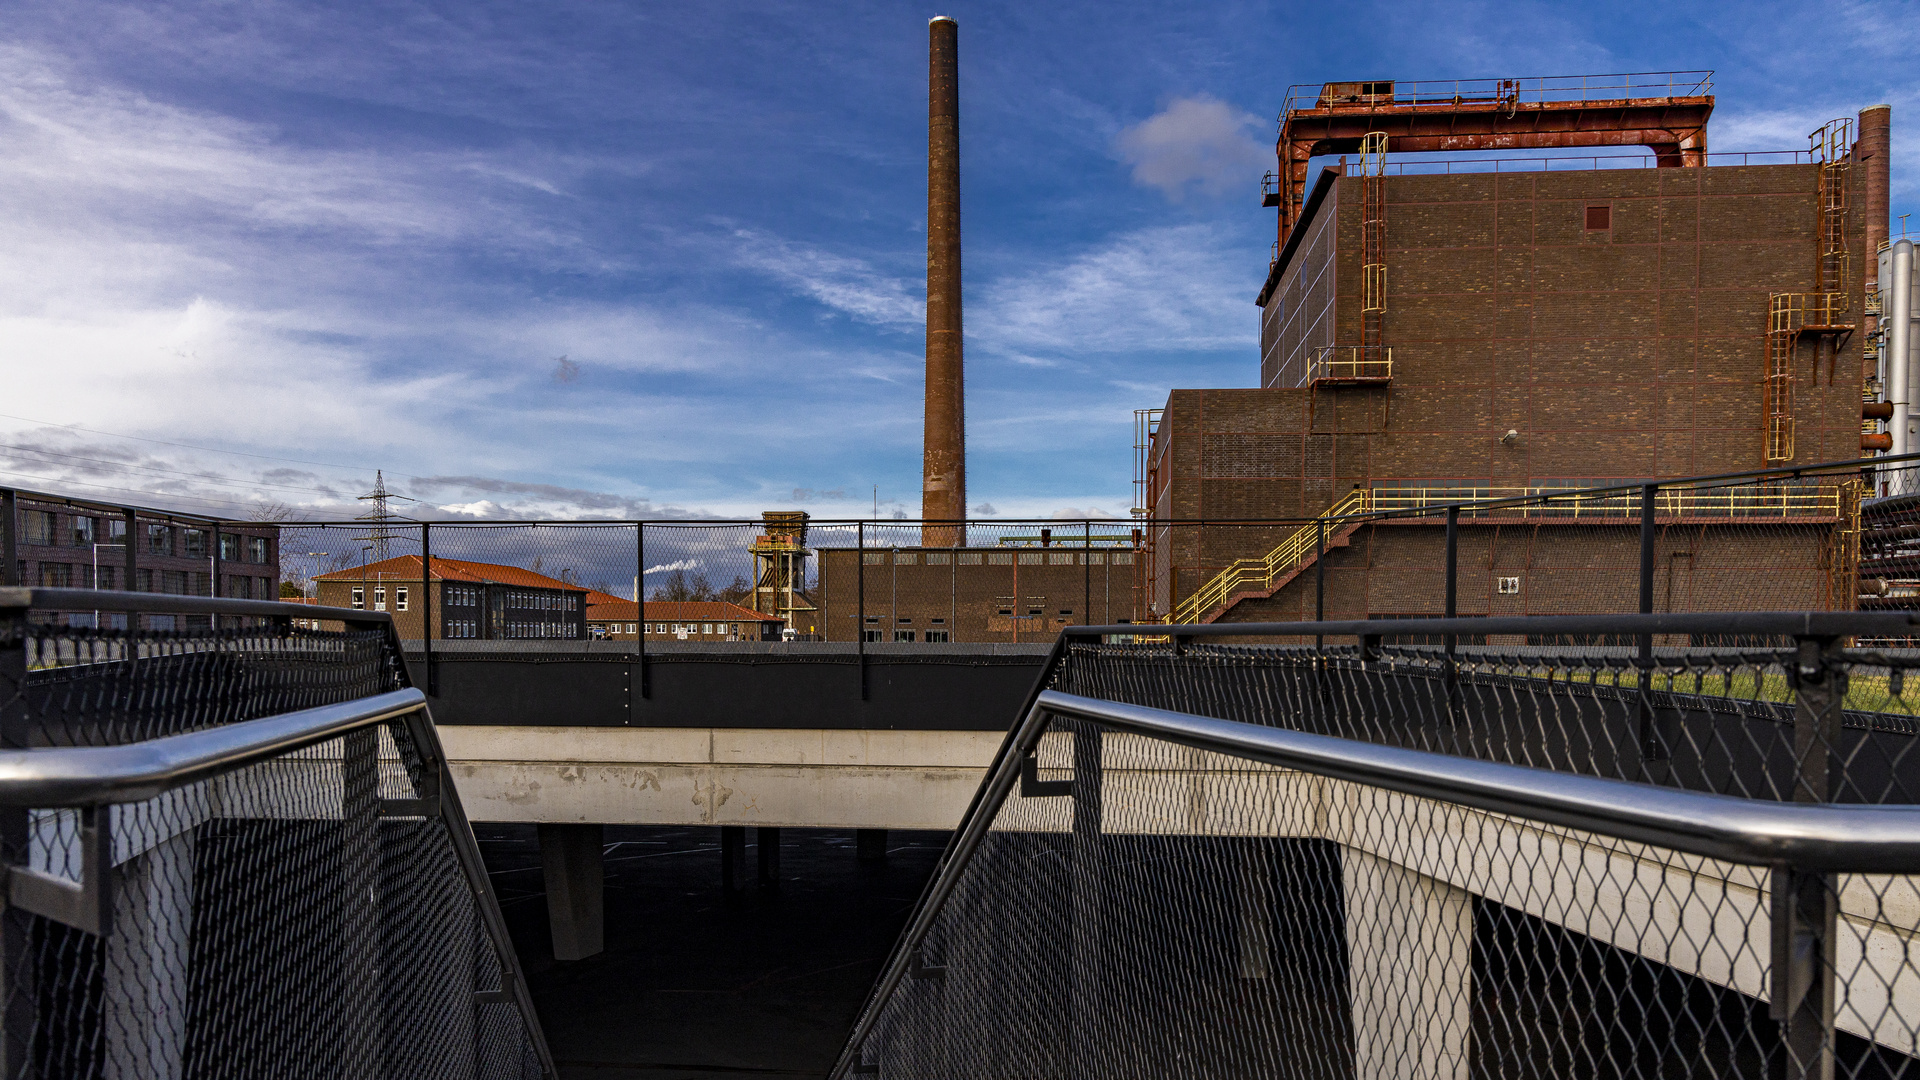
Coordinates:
(1243, 573)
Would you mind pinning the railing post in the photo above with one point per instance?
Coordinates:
(860, 606)
(1086, 565)
(426, 608)
(17, 968)
(9, 537)
(1087, 934)
(1820, 689)
(1651, 748)
(132, 583)
(1320, 579)
(640, 614)
(1805, 920)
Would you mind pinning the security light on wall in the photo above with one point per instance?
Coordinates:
(1509, 437)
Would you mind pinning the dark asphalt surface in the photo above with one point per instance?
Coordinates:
(693, 987)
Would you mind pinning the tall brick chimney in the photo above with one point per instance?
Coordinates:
(943, 493)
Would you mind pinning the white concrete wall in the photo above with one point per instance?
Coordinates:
(810, 777)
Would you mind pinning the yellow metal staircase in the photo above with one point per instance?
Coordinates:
(1262, 577)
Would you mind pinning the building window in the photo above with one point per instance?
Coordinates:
(173, 583)
(706, 628)
(1066, 611)
(379, 598)
(1123, 558)
(196, 544)
(629, 628)
(1005, 611)
(905, 558)
(874, 558)
(1060, 558)
(1599, 217)
(999, 558)
(83, 532)
(936, 637)
(939, 558)
(144, 580)
(1030, 558)
(869, 635)
(1097, 559)
(400, 598)
(159, 539)
(56, 575)
(873, 618)
(939, 622)
(40, 527)
(902, 635)
(108, 579)
(904, 622)
(359, 597)
(229, 547)
(257, 550)
(969, 558)
(1035, 611)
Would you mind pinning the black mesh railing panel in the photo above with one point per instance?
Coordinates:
(1704, 719)
(101, 687)
(1190, 913)
(307, 915)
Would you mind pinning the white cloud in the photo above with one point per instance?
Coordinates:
(1181, 287)
(1196, 142)
(848, 285)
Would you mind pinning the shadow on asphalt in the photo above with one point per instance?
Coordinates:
(695, 987)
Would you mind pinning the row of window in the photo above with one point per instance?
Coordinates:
(380, 597)
(43, 528)
(542, 630)
(933, 637)
(1000, 558)
(463, 628)
(460, 595)
(672, 628)
(171, 582)
(543, 601)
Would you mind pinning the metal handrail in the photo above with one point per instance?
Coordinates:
(47, 777)
(15, 598)
(1812, 624)
(96, 776)
(1812, 837)
(1879, 839)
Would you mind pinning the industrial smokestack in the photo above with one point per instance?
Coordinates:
(943, 493)
(1873, 150)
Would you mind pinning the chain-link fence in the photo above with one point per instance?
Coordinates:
(238, 852)
(1141, 889)
(1835, 537)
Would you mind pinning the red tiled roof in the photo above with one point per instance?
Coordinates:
(676, 611)
(407, 568)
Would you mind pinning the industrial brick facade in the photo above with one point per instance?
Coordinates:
(1613, 320)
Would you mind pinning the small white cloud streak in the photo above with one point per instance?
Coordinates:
(847, 285)
(1195, 143)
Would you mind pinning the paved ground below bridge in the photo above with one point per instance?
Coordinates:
(693, 986)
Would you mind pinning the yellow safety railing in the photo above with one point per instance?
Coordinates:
(1351, 363)
(1246, 574)
(1742, 501)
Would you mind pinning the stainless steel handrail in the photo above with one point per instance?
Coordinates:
(1740, 623)
(1806, 837)
(103, 775)
(1753, 832)
(18, 598)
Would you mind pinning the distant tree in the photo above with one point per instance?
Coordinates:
(682, 586)
(567, 575)
(538, 562)
(737, 592)
(602, 585)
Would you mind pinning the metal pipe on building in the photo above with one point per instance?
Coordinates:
(1898, 317)
(944, 481)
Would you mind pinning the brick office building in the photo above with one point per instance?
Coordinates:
(1427, 338)
(469, 600)
(993, 594)
(61, 543)
(614, 619)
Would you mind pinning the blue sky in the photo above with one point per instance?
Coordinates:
(253, 252)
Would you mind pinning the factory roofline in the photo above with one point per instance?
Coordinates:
(1312, 206)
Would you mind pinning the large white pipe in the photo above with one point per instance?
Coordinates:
(1898, 346)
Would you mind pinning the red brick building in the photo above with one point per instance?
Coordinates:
(614, 619)
(1537, 330)
(468, 600)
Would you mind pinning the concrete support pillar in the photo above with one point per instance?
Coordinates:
(733, 858)
(571, 856)
(145, 1028)
(1409, 970)
(870, 845)
(768, 842)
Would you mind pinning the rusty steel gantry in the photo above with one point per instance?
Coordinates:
(1664, 111)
